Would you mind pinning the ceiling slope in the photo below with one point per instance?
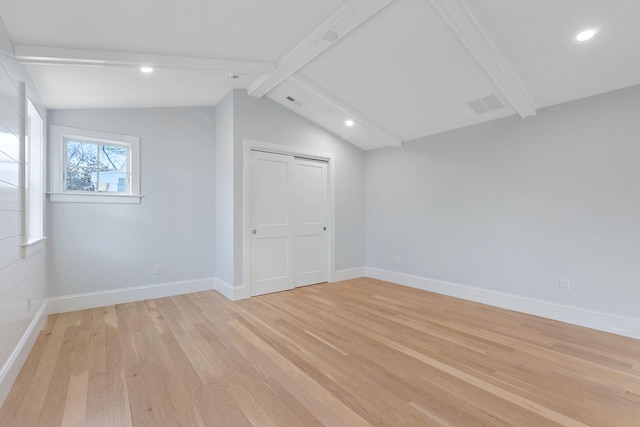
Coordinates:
(341, 23)
(473, 37)
(400, 69)
(539, 39)
(321, 107)
(405, 70)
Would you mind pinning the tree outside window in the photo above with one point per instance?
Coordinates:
(96, 167)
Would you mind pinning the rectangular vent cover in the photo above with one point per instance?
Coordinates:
(485, 104)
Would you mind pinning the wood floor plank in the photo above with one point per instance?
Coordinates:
(117, 405)
(137, 391)
(355, 353)
(97, 410)
(33, 402)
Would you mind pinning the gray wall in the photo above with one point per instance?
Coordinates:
(224, 190)
(97, 247)
(513, 205)
(264, 120)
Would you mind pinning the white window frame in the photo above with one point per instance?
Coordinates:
(58, 192)
(33, 177)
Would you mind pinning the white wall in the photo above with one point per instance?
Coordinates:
(97, 247)
(264, 120)
(19, 276)
(513, 205)
(224, 191)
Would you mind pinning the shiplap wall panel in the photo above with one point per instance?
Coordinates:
(9, 170)
(17, 297)
(20, 277)
(9, 117)
(9, 251)
(13, 329)
(10, 277)
(17, 273)
(9, 197)
(10, 224)
(9, 143)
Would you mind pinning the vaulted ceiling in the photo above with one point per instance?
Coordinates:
(400, 69)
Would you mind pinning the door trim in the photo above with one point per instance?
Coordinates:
(249, 145)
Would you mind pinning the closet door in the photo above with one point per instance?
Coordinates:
(272, 233)
(310, 221)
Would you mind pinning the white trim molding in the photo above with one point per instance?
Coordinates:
(133, 199)
(30, 248)
(88, 300)
(465, 26)
(349, 17)
(348, 274)
(344, 110)
(230, 292)
(593, 319)
(57, 175)
(249, 145)
(9, 372)
(85, 57)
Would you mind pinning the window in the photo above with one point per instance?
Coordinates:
(33, 176)
(94, 167)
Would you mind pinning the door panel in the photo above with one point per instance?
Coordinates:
(310, 217)
(309, 262)
(289, 217)
(272, 192)
(272, 226)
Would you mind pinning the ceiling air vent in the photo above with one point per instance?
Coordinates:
(485, 104)
(290, 99)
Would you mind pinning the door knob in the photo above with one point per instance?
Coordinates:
(324, 228)
(254, 231)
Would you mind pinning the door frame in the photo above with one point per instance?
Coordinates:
(249, 145)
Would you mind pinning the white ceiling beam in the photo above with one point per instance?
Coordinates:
(84, 57)
(343, 109)
(349, 17)
(462, 22)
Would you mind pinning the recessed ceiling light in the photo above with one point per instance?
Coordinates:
(585, 35)
(146, 69)
(349, 123)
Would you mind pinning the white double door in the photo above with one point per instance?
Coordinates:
(288, 212)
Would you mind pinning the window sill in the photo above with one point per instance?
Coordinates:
(95, 198)
(32, 247)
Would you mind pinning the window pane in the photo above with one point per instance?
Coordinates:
(82, 162)
(92, 166)
(113, 168)
(34, 168)
(81, 179)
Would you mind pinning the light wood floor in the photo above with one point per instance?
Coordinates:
(354, 353)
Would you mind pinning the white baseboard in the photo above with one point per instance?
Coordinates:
(230, 292)
(123, 295)
(239, 292)
(19, 355)
(348, 274)
(569, 314)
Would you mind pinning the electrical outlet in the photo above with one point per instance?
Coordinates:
(157, 269)
(29, 301)
(395, 260)
(565, 285)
